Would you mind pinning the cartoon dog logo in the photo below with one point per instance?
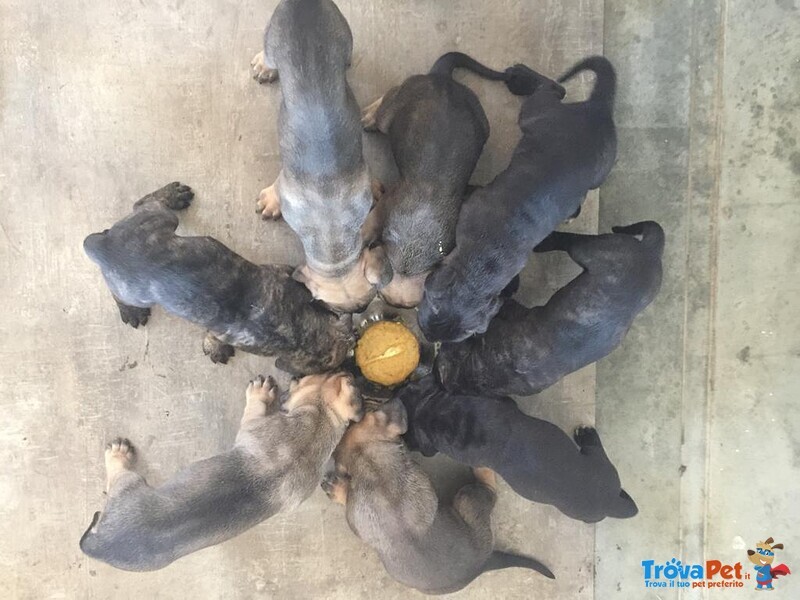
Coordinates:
(762, 558)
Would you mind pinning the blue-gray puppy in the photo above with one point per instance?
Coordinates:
(527, 350)
(537, 459)
(437, 129)
(392, 506)
(323, 190)
(258, 308)
(277, 461)
(565, 150)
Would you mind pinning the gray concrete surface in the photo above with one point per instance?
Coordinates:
(700, 402)
(105, 101)
(102, 102)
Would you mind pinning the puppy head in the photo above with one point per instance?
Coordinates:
(447, 315)
(333, 391)
(404, 291)
(386, 423)
(352, 291)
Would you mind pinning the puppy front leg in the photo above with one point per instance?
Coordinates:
(269, 202)
(261, 72)
(369, 116)
(260, 395)
(120, 457)
(217, 350)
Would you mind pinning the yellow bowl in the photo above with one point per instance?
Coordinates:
(387, 353)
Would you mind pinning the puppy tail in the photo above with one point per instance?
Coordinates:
(504, 560)
(652, 234)
(451, 61)
(94, 246)
(605, 86)
(623, 507)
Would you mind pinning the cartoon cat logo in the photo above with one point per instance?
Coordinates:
(762, 558)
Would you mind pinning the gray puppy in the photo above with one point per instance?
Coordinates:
(277, 461)
(324, 189)
(437, 129)
(257, 308)
(537, 459)
(527, 350)
(392, 506)
(565, 150)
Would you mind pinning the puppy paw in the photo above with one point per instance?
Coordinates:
(262, 390)
(586, 436)
(369, 115)
(133, 315)
(335, 487)
(178, 196)
(175, 196)
(119, 455)
(217, 351)
(268, 204)
(262, 73)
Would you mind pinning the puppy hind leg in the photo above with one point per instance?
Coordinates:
(260, 71)
(217, 350)
(269, 202)
(174, 196)
(474, 503)
(132, 315)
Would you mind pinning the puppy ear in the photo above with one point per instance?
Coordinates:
(777, 546)
(377, 269)
(769, 540)
(394, 415)
(299, 274)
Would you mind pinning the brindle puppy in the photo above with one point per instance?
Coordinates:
(527, 350)
(257, 308)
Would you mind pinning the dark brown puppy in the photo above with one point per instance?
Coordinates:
(527, 350)
(565, 150)
(258, 308)
(536, 458)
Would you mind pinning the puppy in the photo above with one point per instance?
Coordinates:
(323, 190)
(277, 461)
(538, 460)
(392, 506)
(257, 308)
(437, 129)
(527, 350)
(565, 150)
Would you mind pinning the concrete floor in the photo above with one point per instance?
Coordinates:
(100, 104)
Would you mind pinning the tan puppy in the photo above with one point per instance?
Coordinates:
(392, 506)
(276, 463)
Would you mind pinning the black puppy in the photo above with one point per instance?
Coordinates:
(537, 459)
(258, 308)
(437, 129)
(527, 350)
(565, 150)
